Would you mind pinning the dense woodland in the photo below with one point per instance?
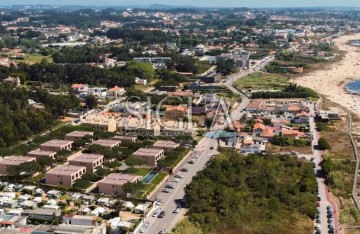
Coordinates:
(19, 120)
(253, 194)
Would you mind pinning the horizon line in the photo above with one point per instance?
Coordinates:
(173, 6)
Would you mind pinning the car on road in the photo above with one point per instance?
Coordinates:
(162, 214)
(144, 227)
(177, 210)
(166, 191)
(195, 156)
(175, 180)
(191, 162)
(156, 212)
(162, 232)
(169, 186)
(178, 176)
(184, 169)
(211, 148)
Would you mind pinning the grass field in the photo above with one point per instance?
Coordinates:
(262, 81)
(34, 58)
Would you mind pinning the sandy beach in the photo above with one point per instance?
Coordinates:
(331, 82)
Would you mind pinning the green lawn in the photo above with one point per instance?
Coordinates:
(154, 182)
(262, 81)
(137, 171)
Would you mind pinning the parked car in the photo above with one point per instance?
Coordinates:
(156, 212)
(166, 191)
(162, 214)
(169, 186)
(175, 180)
(178, 176)
(184, 169)
(177, 210)
(191, 162)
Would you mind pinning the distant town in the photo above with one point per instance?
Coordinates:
(178, 120)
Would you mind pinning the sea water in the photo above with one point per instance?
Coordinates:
(353, 86)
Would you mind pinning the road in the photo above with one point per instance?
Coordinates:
(203, 149)
(237, 113)
(169, 199)
(323, 189)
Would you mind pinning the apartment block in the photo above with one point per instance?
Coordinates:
(13, 161)
(75, 135)
(151, 155)
(56, 145)
(41, 153)
(64, 175)
(101, 122)
(90, 161)
(108, 143)
(167, 146)
(113, 183)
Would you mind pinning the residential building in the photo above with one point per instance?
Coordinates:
(108, 143)
(9, 222)
(75, 135)
(199, 110)
(56, 145)
(98, 92)
(64, 175)
(66, 228)
(125, 138)
(150, 155)
(13, 161)
(90, 161)
(210, 98)
(112, 184)
(37, 153)
(79, 88)
(100, 122)
(175, 112)
(167, 146)
(42, 214)
(115, 92)
(140, 81)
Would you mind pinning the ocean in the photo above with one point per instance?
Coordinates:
(353, 86)
(355, 43)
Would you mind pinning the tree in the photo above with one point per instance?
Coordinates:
(225, 67)
(90, 177)
(323, 144)
(81, 184)
(131, 161)
(133, 187)
(45, 161)
(91, 101)
(141, 70)
(103, 172)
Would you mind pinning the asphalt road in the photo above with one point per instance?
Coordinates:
(169, 199)
(169, 204)
(323, 189)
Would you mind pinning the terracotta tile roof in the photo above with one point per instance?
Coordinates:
(268, 132)
(259, 125)
(76, 86)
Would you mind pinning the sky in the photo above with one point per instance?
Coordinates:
(200, 3)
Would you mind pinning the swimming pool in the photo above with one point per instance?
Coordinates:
(149, 177)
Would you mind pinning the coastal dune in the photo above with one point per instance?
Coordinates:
(331, 82)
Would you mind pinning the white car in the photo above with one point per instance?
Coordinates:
(175, 180)
(156, 212)
(178, 176)
(177, 210)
